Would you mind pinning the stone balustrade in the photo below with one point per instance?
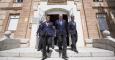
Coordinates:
(8, 42)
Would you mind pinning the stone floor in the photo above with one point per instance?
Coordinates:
(71, 58)
(33, 54)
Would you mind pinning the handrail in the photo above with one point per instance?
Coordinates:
(108, 41)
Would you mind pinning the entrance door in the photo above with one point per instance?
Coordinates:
(53, 18)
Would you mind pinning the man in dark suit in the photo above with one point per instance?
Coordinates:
(61, 34)
(48, 34)
(40, 34)
(73, 33)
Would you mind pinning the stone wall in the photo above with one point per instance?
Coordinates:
(23, 26)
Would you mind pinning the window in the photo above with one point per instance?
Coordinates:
(18, 1)
(1, 21)
(13, 22)
(102, 22)
(97, 0)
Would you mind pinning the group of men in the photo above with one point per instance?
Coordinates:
(48, 30)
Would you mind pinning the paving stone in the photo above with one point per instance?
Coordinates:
(31, 52)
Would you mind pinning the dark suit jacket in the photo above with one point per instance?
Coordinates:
(61, 28)
(72, 28)
(39, 42)
(48, 29)
(40, 30)
(43, 31)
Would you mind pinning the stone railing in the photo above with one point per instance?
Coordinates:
(8, 42)
(107, 42)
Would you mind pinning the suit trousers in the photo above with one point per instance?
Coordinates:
(62, 44)
(47, 43)
(74, 41)
(40, 43)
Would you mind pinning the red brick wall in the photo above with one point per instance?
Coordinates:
(91, 21)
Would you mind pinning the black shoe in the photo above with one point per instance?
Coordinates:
(44, 57)
(52, 47)
(64, 57)
(72, 48)
(38, 49)
(75, 51)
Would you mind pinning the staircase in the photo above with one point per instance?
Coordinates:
(84, 53)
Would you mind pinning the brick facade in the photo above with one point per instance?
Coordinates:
(88, 11)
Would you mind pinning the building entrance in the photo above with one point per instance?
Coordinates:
(55, 11)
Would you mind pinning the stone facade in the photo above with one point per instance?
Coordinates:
(88, 15)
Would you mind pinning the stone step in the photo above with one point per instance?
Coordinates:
(31, 52)
(70, 58)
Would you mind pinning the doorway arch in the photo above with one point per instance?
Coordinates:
(57, 11)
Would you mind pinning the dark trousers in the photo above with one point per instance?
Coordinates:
(62, 44)
(40, 43)
(74, 41)
(47, 43)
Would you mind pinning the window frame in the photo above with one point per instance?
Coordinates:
(97, 0)
(18, 1)
(99, 18)
(1, 19)
(11, 19)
